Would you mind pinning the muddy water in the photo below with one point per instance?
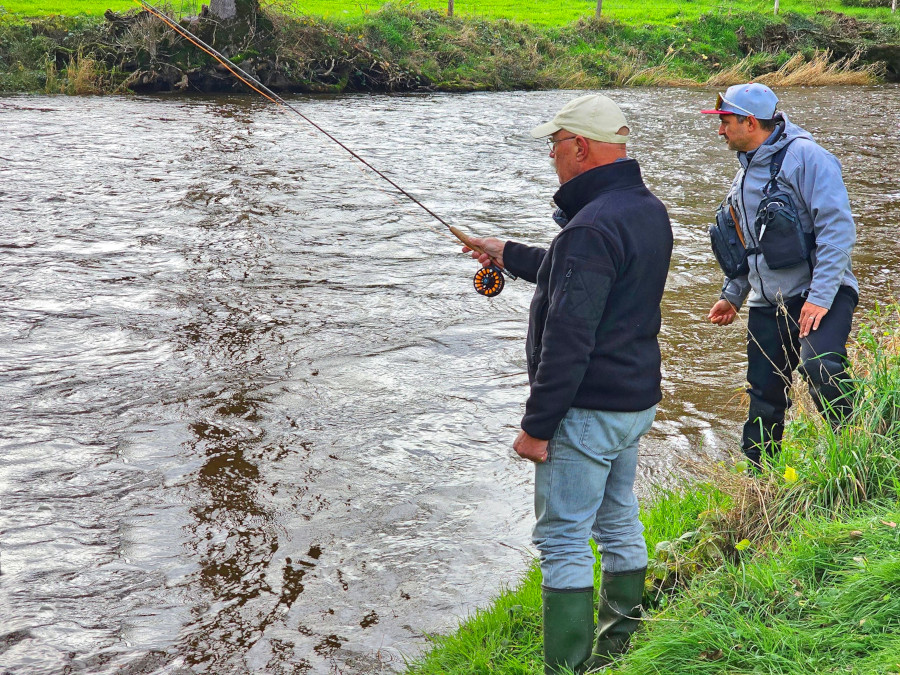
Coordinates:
(254, 417)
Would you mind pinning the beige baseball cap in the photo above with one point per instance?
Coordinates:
(593, 116)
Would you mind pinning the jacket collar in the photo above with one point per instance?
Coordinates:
(785, 132)
(575, 194)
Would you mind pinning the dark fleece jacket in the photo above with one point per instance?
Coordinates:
(595, 316)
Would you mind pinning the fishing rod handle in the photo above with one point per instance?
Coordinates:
(467, 241)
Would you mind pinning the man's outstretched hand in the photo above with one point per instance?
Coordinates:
(722, 313)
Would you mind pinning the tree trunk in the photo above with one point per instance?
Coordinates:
(599, 8)
(223, 9)
(449, 7)
(229, 10)
(230, 25)
(776, 6)
(893, 6)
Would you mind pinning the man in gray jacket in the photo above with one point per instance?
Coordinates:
(789, 207)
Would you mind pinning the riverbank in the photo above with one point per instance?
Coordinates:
(402, 49)
(797, 571)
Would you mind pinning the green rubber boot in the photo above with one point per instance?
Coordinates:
(618, 615)
(568, 628)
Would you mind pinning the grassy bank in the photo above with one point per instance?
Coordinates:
(406, 49)
(794, 572)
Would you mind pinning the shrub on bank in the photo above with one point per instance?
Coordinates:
(794, 571)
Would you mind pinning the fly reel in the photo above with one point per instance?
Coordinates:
(489, 281)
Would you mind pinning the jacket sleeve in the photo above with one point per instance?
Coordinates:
(735, 291)
(820, 184)
(581, 276)
(522, 260)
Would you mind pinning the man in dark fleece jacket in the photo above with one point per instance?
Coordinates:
(594, 369)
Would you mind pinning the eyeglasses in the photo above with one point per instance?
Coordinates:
(551, 144)
(721, 99)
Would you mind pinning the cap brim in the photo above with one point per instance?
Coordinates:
(717, 112)
(545, 129)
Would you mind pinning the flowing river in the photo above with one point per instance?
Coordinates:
(254, 417)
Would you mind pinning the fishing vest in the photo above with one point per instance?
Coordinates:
(780, 236)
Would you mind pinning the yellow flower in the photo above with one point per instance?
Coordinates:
(742, 545)
(790, 474)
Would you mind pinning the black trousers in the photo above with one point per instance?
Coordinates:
(775, 350)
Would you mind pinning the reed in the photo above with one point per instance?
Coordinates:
(821, 69)
(83, 76)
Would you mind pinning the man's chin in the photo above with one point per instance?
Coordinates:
(556, 170)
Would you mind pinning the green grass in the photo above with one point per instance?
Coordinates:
(537, 12)
(792, 572)
(90, 7)
(829, 602)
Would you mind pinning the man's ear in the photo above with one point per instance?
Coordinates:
(583, 147)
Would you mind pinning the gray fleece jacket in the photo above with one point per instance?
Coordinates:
(812, 176)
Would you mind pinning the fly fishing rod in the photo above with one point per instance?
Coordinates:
(488, 280)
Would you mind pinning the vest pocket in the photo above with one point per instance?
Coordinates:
(727, 246)
(781, 238)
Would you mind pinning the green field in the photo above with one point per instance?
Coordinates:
(538, 12)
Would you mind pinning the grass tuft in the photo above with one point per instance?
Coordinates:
(821, 69)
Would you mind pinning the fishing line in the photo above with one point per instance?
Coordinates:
(488, 280)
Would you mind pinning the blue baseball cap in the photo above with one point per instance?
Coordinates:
(750, 100)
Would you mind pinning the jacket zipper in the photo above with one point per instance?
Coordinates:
(537, 347)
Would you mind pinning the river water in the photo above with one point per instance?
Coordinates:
(256, 420)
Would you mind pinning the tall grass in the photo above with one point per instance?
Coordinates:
(82, 76)
(818, 70)
(796, 570)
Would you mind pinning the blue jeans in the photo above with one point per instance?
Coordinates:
(584, 490)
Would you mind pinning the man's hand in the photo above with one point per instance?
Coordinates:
(810, 318)
(493, 251)
(722, 313)
(531, 448)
